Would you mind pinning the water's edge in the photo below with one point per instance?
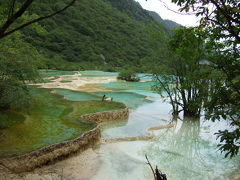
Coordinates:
(55, 152)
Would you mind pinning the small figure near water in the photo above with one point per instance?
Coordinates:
(105, 98)
(108, 99)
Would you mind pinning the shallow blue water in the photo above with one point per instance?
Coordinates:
(97, 73)
(77, 95)
(132, 100)
(186, 152)
(122, 85)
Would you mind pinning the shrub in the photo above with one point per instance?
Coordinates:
(128, 76)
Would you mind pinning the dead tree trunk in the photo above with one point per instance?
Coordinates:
(158, 175)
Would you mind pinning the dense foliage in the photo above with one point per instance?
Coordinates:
(128, 75)
(17, 68)
(12, 13)
(183, 76)
(93, 35)
(132, 9)
(89, 35)
(221, 19)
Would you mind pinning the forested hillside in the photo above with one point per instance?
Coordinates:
(168, 24)
(132, 9)
(95, 34)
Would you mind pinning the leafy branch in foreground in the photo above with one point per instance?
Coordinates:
(220, 15)
(17, 69)
(13, 10)
(221, 19)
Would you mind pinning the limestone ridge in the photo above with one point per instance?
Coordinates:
(52, 153)
(106, 116)
(55, 152)
(59, 151)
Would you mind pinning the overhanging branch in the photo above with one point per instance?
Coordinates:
(3, 30)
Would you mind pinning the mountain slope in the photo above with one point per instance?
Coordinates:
(168, 24)
(93, 35)
(155, 16)
(132, 9)
(135, 10)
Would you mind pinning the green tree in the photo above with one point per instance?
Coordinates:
(222, 16)
(128, 75)
(17, 65)
(17, 69)
(182, 76)
(221, 19)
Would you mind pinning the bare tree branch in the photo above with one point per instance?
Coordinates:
(150, 166)
(11, 8)
(14, 17)
(177, 12)
(20, 12)
(158, 175)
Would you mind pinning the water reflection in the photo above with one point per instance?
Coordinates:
(184, 154)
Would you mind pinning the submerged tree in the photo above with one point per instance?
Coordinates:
(183, 77)
(166, 85)
(221, 18)
(128, 75)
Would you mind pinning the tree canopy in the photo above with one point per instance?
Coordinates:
(221, 19)
(18, 67)
(181, 75)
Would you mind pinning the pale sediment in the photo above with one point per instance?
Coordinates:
(52, 153)
(135, 138)
(78, 83)
(138, 138)
(80, 166)
(161, 127)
